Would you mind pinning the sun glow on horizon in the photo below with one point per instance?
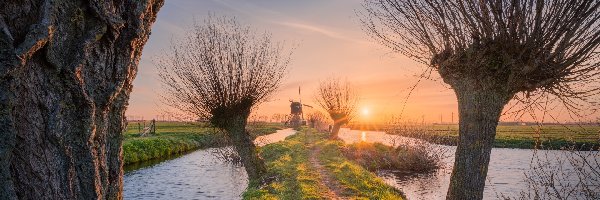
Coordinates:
(365, 111)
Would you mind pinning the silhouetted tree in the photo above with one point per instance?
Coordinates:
(489, 52)
(221, 70)
(339, 99)
(278, 117)
(66, 71)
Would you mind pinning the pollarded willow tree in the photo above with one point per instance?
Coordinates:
(340, 100)
(66, 72)
(490, 52)
(220, 70)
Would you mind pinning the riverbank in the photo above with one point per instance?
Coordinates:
(584, 137)
(308, 166)
(173, 138)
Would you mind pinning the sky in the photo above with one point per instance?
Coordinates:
(329, 42)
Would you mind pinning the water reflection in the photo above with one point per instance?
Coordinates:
(352, 136)
(280, 135)
(363, 137)
(418, 186)
(198, 175)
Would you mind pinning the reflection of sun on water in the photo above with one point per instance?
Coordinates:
(364, 137)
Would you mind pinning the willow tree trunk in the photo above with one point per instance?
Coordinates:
(479, 112)
(66, 69)
(244, 146)
(335, 131)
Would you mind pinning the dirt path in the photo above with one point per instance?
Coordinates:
(334, 189)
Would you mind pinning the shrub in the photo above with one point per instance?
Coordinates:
(415, 156)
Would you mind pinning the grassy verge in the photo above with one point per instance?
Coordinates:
(175, 137)
(170, 138)
(361, 183)
(288, 161)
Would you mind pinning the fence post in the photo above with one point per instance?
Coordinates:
(153, 126)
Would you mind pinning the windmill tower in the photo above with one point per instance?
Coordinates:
(296, 117)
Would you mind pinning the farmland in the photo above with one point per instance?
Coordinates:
(551, 136)
(507, 136)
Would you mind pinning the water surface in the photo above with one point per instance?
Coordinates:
(280, 135)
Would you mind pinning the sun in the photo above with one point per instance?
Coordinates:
(365, 111)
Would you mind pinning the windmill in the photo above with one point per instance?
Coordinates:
(296, 118)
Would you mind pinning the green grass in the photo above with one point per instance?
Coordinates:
(551, 136)
(287, 160)
(170, 138)
(513, 136)
(296, 179)
(361, 183)
(554, 132)
(175, 137)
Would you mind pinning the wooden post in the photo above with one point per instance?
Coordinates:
(153, 126)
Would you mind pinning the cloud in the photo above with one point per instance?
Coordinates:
(247, 8)
(315, 29)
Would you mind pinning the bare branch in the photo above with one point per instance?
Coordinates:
(339, 99)
(518, 46)
(220, 69)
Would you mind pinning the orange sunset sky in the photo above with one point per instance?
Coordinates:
(329, 42)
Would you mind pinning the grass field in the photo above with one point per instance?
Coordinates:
(297, 178)
(551, 136)
(176, 137)
(554, 132)
(507, 136)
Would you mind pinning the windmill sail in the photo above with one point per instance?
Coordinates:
(300, 95)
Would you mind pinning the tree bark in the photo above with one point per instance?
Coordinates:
(244, 146)
(479, 111)
(66, 71)
(335, 131)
